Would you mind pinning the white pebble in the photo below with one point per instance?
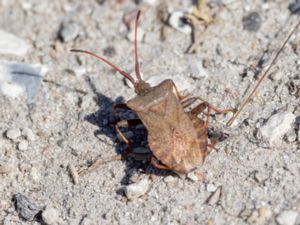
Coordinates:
(176, 21)
(34, 174)
(211, 188)
(10, 44)
(50, 215)
(13, 133)
(287, 218)
(192, 176)
(136, 190)
(18, 78)
(196, 70)
(140, 35)
(28, 133)
(169, 179)
(69, 31)
(215, 197)
(276, 126)
(150, 2)
(23, 145)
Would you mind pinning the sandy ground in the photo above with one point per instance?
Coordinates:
(245, 182)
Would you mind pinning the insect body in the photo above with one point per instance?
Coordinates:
(178, 139)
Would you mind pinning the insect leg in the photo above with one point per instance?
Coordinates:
(158, 165)
(87, 169)
(126, 124)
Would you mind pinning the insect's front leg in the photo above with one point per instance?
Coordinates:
(126, 124)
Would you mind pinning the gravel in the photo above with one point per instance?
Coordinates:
(50, 215)
(287, 217)
(277, 126)
(13, 133)
(26, 208)
(11, 44)
(136, 190)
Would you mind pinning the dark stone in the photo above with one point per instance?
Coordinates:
(252, 21)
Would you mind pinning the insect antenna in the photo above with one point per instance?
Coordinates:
(136, 60)
(125, 74)
(260, 80)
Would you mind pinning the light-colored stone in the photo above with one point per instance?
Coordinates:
(11, 44)
(176, 21)
(192, 176)
(28, 133)
(50, 215)
(169, 179)
(34, 174)
(196, 70)
(136, 190)
(211, 187)
(23, 145)
(276, 127)
(69, 31)
(215, 197)
(140, 35)
(19, 78)
(287, 217)
(13, 133)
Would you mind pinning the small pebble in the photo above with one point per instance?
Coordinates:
(277, 75)
(276, 127)
(211, 188)
(169, 179)
(287, 218)
(10, 44)
(79, 71)
(196, 70)
(34, 174)
(215, 197)
(50, 215)
(177, 21)
(252, 21)
(136, 190)
(150, 2)
(28, 134)
(192, 176)
(25, 207)
(140, 35)
(19, 78)
(74, 174)
(69, 31)
(295, 7)
(23, 145)
(13, 133)
(291, 137)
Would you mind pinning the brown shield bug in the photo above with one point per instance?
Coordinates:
(178, 138)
